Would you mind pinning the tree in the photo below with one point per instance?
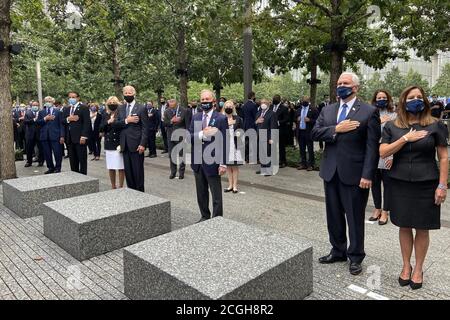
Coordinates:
(7, 159)
(442, 86)
(337, 28)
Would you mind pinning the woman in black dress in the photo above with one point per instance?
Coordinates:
(418, 186)
(234, 145)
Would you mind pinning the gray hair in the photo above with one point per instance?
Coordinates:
(355, 78)
(213, 95)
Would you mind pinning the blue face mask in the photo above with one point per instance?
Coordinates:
(72, 101)
(35, 109)
(344, 92)
(221, 104)
(48, 105)
(381, 103)
(415, 106)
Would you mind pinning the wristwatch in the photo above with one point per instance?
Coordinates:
(442, 187)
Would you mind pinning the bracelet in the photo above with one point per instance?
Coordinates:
(405, 138)
(442, 187)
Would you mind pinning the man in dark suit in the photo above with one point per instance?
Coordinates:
(266, 122)
(205, 128)
(78, 127)
(250, 109)
(323, 104)
(282, 114)
(133, 119)
(52, 135)
(351, 132)
(191, 111)
(306, 119)
(32, 135)
(174, 119)
(154, 121)
(162, 110)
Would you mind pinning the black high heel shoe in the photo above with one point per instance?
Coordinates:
(416, 285)
(405, 282)
(375, 218)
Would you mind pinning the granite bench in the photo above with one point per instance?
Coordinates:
(91, 225)
(24, 196)
(218, 259)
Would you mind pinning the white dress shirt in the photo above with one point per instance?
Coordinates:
(349, 107)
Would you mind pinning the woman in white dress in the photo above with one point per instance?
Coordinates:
(234, 144)
(114, 158)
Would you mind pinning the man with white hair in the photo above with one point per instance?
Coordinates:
(133, 119)
(205, 128)
(351, 132)
(52, 134)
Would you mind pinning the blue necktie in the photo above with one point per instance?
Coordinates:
(302, 118)
(343, 114)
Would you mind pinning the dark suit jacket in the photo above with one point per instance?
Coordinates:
(96, 131)
(269, 124)
(31, 126)
(168, 115)
(250, 109)
(189, 115)
(312, 114)
(354, 155)
(154, 119)
(51, 130)
(81, 128)
(218, 121)
(282, 118)
(132, 135)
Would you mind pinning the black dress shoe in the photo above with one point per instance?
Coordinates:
(152, 156)
(331, 259)
(355, 268)
(49, 172)
(416, 285)
(27, 165)
(283, 165)
(202, 219)
(405, 282)
(172, 176)
(181, 177)
(258, 172)
(164, 151)
(57, 171)
(41, 164)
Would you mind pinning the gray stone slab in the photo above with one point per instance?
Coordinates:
(218, 259)
(94, 224)
(25, 196)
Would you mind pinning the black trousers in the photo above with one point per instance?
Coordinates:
(282, 147)
(31, 144)
(134, 170)
(173, 160)
(78, 157)
(152, 142)
(164, 138)
(203, 184)
(346, 201)
(381, 176)
(305, 142)
(95, 145)
(52, 148)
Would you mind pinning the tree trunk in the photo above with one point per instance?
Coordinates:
(313, 90)
(337, 60)
(182, 65)
(116, 70)
(7, 154)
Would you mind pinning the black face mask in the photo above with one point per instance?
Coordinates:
(163, 103)
(228, 110)
(206, 106)
(305, 103)
(113, 107)
(129, 99)
(276, 102)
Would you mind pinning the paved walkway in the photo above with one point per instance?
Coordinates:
(291, 203)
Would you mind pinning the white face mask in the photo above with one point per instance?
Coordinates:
(264, 106)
